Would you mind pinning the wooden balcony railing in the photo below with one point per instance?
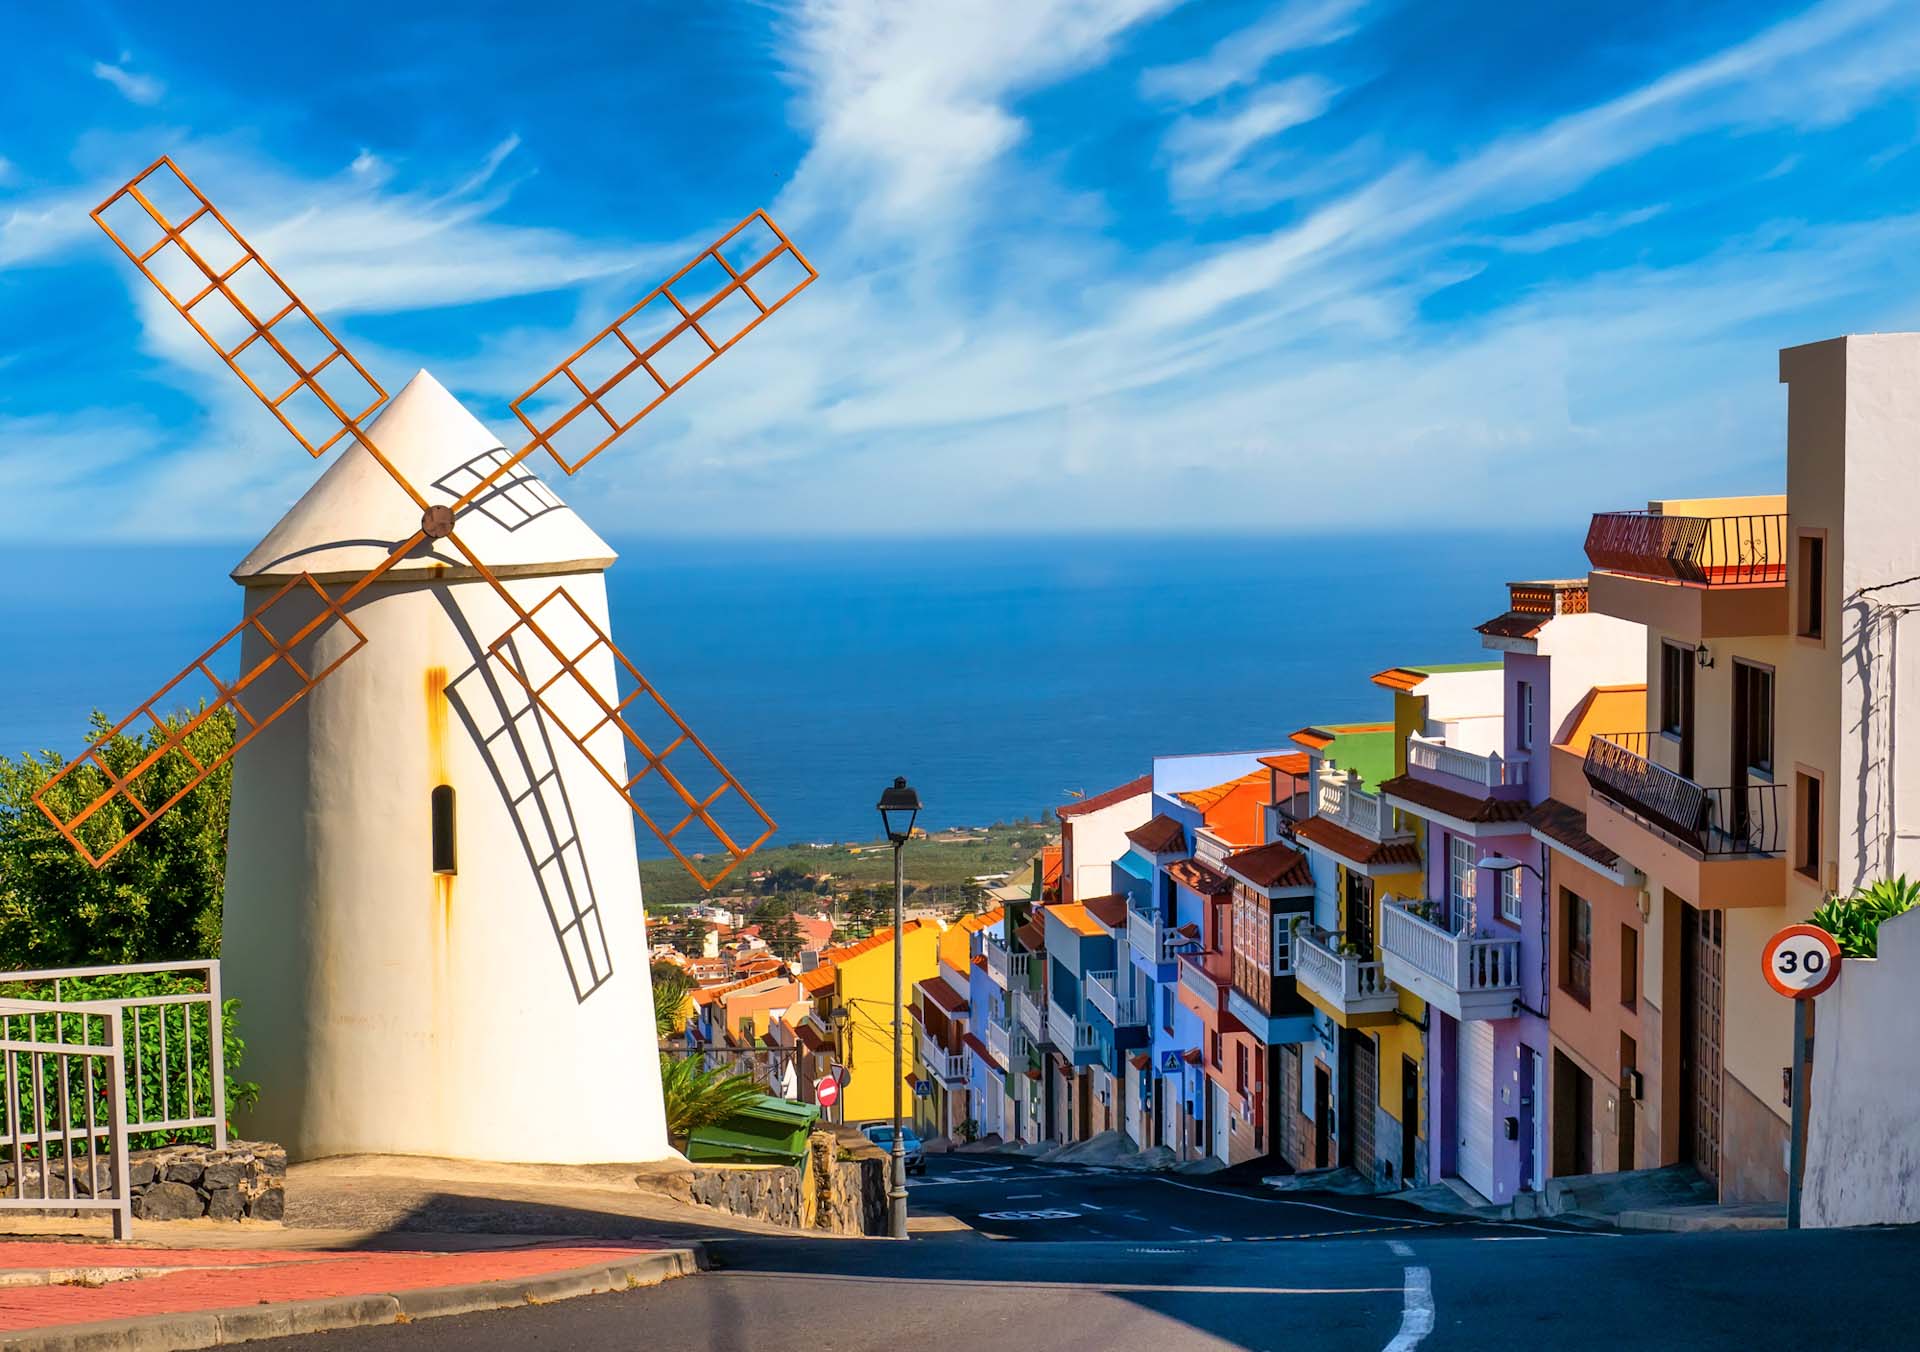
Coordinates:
(1710, 550)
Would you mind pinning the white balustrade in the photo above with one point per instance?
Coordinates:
(1153, 941)
(1353, 984)
(1472, 975)
(1341, 800)
(1489, 771)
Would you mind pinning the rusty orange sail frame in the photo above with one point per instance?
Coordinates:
(229, 288)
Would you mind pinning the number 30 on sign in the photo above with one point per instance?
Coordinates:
(1801, 961)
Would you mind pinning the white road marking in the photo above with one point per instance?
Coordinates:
(1416, 1314)
(1183, 1230)
(1558, 1234)
(1283, 1201)
(1024, 1196)
(1091, 1207)
(1400, 1250)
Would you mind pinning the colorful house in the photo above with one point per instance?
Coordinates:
(1353, 1095)
(852, 994)
(943, 1014)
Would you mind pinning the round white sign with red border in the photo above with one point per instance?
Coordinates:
(1801, 961)
(826, 1090)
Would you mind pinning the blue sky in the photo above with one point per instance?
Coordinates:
(1086, 264)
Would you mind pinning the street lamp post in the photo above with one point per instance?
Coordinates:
(899, 805)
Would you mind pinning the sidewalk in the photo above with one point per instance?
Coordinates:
(368, 1240)
(56, 1296)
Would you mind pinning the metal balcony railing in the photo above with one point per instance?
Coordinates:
(1709, 550)
(1468, 964)
(1353, 984)
(1707, 821)
(1489, 771)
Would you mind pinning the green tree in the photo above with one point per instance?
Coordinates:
(672, 984)
(159, 897)
(783, 936)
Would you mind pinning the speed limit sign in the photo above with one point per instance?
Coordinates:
(1801, 961)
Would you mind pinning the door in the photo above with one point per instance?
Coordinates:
(1530, 1118)
(1217, 1110)
(1322, 1114)
(1366, 1100)
(1160, 1111)
(1474, 1158)
(1409, 1121)
(1702, 940)
(1291, 1139)
(1572, 1118)
(1360, 912)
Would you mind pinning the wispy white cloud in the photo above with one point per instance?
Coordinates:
(1238, 58)
(135, 87)
(1562, 233)
(1202, 148)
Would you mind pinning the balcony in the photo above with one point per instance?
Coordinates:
(1121, 1010)
(1353, 989)
(947, 1067)
(1716, 847)
(1000, 1040)
(1483, 772)
(1006, 967)
(1206, 978)
(1153, 941)
(1465, 975)
(1031, 1017)
(1072, 1036)
(1693, 576)
(1339, 798)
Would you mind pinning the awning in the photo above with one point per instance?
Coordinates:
(1133, 864)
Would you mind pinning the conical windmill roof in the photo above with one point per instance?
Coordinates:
(355, 513)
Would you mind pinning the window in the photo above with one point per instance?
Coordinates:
(1283, 944)
(1576, 973)
(1166, 1008)
(1753, 715)
(1811, 593)
(1460, 868)
(1629, 967)
(1213, 1048)
(1240, 1066)
(1523, 715)
(1806, 804)
(1510, 896)
(1673, 683)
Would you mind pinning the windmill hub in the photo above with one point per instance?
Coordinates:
(437, 521)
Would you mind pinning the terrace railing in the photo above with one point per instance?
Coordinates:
(1339, 798)
(1708, 550)
(1708, 821)
(1489, 771)
(1466, 963)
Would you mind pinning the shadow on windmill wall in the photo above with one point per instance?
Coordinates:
(519, 752)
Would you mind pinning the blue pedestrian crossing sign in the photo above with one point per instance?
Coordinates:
(1169, 1063)
(923, 1088)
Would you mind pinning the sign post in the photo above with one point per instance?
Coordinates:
(1800, 962)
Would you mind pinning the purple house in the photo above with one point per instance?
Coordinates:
(1475, 946)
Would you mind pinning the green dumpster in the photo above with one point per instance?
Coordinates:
(771, 1131)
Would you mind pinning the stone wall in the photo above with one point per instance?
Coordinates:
(841, 1188)
(246, 1181)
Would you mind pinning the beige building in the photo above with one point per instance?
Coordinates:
(1763, 775)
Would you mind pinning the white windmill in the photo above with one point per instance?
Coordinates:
(433, 914)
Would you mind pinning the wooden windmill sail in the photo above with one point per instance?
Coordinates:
(322, 395)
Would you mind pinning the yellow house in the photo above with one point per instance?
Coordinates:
(852, 991)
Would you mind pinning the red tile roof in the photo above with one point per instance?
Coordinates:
(1350, 845)
(1140, 1061)
(1199, 877)
(1110, 910)
(1288, 763)
(1452, 802)
(1133, 788)
(1275, 864)
(943, 995)
(1566, 825)
(1162, 835)
(979, 1049)
(1032, 935)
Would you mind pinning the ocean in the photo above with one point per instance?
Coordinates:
(1000, 675)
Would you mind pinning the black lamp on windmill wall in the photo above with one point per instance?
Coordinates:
(446, 860)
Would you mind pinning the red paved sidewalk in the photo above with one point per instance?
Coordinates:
(220, 1279)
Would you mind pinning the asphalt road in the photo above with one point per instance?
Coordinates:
(1174, 1264)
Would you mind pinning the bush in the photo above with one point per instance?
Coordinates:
(1855, 921)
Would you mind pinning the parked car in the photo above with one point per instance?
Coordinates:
(881, 1134)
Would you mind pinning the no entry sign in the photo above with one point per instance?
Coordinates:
(826, 1091)
(1801, 961)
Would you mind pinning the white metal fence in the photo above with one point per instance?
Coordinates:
(65, 1142)
(94, 1056)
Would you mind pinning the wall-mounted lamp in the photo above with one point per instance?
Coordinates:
(1703, 657)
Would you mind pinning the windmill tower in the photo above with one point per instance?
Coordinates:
(433, 913)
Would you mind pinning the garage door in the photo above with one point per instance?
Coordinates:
(1476, 1105)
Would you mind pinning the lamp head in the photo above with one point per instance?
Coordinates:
(899, 805)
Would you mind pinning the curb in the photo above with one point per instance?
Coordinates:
(217, 1328)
